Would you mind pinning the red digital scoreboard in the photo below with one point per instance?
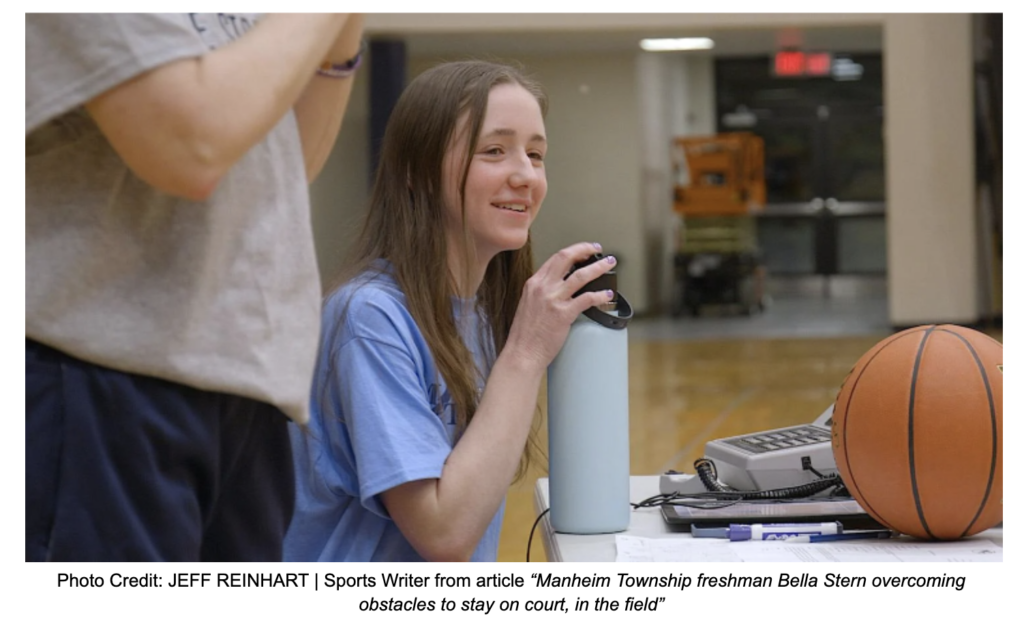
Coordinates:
(797, 63)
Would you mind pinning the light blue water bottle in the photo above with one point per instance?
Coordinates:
(588, 419)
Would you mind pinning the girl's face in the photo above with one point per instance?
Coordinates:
(506, 184)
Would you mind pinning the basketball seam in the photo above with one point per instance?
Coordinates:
(995, 438)
(910, 435)
(849, 400)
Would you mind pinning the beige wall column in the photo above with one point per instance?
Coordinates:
(676, 98)
(932, 234)
(655, 175)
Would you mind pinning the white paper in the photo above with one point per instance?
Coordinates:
(687, 549)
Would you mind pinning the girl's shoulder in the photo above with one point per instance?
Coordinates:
(371, 305)
(371, 287)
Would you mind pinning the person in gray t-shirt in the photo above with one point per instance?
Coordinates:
(172, 293)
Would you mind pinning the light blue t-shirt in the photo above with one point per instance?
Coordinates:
(374, 425)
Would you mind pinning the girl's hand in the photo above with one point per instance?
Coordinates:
(547, 307)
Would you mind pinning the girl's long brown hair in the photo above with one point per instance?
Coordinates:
(406, 219)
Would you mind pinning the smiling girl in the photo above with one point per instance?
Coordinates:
(434, 346)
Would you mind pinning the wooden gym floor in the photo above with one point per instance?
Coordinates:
(684, 391)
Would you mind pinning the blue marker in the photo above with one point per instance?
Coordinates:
(867, 534)
(767, 532)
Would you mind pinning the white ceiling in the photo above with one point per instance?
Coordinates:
(727, 42)
(535, 34)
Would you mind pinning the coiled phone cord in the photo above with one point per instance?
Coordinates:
(709, 476)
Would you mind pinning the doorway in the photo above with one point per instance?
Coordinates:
(824, 163)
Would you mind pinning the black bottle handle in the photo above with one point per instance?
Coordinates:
(612, 320)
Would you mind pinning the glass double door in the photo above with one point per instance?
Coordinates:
(825, 179)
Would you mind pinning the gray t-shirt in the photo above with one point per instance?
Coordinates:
(221, 295)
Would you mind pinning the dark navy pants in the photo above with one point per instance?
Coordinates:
(121, 467)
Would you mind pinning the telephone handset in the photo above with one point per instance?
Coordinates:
(772, 459)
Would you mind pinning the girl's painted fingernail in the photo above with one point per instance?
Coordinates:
(597, 245)
(610, 293)
(610, 260)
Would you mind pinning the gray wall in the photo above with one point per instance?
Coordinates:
(340, 195)
(594, 149)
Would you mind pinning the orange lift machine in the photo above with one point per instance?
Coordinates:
(719, 175)
(719, 187)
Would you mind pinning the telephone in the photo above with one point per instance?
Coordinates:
(772, 459)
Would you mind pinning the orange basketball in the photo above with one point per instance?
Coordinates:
(917, 432)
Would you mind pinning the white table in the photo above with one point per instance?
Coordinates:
(644, 522)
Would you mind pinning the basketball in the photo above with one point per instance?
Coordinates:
(917, 432)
